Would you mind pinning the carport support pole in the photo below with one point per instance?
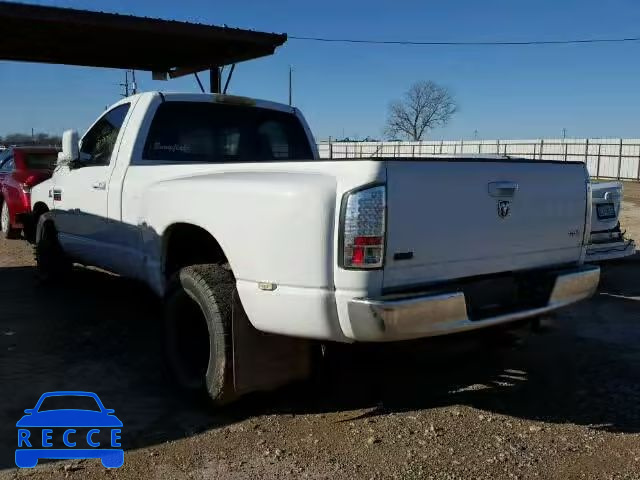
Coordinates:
(214, 79)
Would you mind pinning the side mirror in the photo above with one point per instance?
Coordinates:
(70, 152)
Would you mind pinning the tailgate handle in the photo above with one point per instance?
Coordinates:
(502, 189)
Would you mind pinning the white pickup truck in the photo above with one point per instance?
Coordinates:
(608, 241)
(222, 206)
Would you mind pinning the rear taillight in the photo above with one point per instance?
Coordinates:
(363, 228)
(26, 179)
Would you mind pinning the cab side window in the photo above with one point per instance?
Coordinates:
(98, 143)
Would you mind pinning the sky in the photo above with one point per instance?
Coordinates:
(344, 89)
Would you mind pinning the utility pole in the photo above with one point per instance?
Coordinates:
(134, 85)
(475, 134)
(290, 85)
(125, 84)
(564, 133)
(130, 87)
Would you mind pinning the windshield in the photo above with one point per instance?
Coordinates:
(69, 402)
(40, 161)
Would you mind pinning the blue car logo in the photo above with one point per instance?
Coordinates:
(69, 433)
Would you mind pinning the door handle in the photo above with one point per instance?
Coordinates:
(99, 186)
(503, 189)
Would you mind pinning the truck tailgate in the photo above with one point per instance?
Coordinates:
(455, 218)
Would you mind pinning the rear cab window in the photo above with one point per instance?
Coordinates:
(193, 132)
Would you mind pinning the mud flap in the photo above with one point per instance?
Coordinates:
(264, 361)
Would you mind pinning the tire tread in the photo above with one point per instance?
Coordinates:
(216, 285)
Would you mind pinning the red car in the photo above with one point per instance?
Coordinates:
(20, 169)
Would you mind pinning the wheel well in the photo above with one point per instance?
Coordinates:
(186, 244)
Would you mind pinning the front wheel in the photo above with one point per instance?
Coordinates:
(51, 261)
(198, 314)
(5, 223)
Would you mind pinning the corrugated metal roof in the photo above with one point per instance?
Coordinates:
(35, 33)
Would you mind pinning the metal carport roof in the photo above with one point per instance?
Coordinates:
(35, 33)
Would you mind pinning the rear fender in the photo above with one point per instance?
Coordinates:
(273, 226)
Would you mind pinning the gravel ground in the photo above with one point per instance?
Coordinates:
(562, 403)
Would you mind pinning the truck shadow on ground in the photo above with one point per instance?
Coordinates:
(103, 334)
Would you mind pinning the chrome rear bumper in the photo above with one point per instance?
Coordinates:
(406, 317)
(599, 252)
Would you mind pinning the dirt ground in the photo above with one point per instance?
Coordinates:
(562, 403)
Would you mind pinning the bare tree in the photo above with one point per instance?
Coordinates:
(425, 106)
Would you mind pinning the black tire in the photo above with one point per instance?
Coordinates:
(6, 230)
(198, 311)
(51, 261)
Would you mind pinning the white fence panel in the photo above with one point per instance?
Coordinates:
(630, 167)
(605, 158)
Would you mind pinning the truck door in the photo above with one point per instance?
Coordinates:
(80, 191)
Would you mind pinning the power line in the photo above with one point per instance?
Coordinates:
(496, 43)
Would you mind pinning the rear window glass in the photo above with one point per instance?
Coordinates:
(209, 132)
(40, 161)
